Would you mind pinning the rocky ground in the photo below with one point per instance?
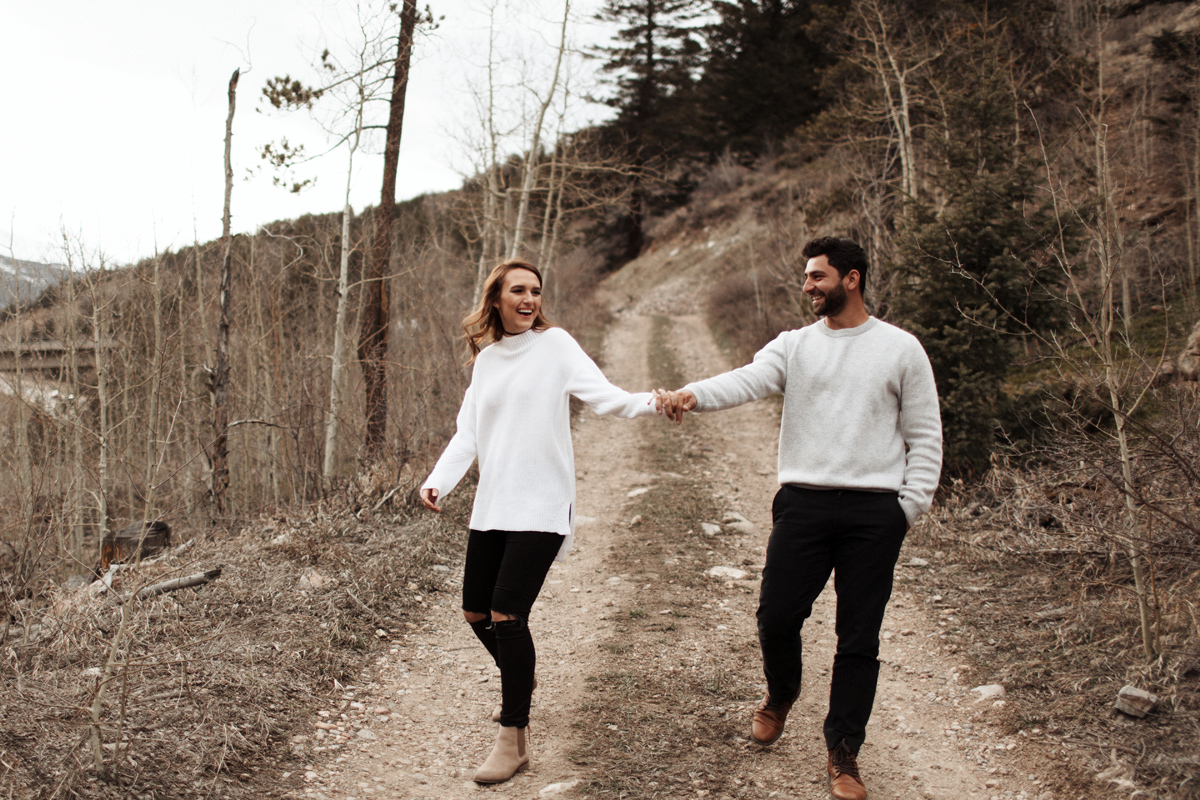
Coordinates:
(648, 664)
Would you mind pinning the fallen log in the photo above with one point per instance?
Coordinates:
(199, 579)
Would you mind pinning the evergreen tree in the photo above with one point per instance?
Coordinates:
(654, 60)
(975, 267)
(652, 67)
(762, 78)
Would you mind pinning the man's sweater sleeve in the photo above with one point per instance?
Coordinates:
(921, 427)
(459, 453)
(765, 375)
(589, 385)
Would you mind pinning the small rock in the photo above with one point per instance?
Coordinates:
(367, 733)
(382, 710)
(1135, 702)
(733, 516)
(613, 581)
(991, 691)
(440, 568)
(730, 573)
(282, 538)
(639, 491)
(558, 788)
(580, 519)
(637, 520)
(746, 527)
(915, 562)
(710, 528)
(311, 579)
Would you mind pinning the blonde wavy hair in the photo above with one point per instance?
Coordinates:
(483, 325)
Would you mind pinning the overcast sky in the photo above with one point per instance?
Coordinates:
(114, 113)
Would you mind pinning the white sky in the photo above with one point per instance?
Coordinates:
(112, 114)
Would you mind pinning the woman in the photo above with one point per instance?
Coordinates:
(515, 419)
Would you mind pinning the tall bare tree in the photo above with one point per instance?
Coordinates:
(373, 335)
(530, 166)
(219, 449)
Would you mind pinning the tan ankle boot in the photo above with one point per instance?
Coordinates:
(508, 757)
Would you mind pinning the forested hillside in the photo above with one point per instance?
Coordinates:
(1024, 175)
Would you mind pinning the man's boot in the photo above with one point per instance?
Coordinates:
(844, 783)
(769, 717)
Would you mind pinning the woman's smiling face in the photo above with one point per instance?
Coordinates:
(520, 301)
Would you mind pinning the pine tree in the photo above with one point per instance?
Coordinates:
(762, 78)
(652, 67)
(975, 267)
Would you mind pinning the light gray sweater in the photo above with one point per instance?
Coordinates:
(860, 409)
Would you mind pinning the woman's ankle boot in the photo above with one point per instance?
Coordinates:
(508, 757)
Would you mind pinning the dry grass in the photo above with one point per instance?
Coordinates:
(1035, 564)
(208, 684)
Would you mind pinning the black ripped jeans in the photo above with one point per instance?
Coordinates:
(855, 535)
(504, 572)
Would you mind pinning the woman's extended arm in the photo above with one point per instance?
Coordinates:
(589, 385)
(456, 459)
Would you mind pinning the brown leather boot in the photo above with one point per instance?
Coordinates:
(767, 725)
(508, 757)
(844, 783)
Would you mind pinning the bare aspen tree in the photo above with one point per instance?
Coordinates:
(1115, 379)
(531, 155)
(220, 378)
(492, 228)
(24, 457)
(894, 65)
(362, 93)
(101, 333)
(75, 513)
(149, 513)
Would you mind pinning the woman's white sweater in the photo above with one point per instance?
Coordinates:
(515, 418)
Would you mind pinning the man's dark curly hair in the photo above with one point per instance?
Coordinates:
(843, 254)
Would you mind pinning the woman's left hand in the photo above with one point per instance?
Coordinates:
(429, 498)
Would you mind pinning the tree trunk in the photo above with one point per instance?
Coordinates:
(220, 377)
(373, 337)
(531, 157)
(333, 426)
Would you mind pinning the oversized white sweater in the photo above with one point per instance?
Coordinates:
(515, 418)
(860, 409)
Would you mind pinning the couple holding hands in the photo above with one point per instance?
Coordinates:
(860, 453)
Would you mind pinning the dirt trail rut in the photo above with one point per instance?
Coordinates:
(421, 726)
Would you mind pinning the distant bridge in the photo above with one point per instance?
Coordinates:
(49, 358)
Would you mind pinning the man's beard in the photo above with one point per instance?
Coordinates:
(834, 302)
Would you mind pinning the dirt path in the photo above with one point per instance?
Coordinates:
(630, 609)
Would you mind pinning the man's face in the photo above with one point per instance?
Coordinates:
(825, 287)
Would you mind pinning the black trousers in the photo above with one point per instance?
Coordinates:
(504, 572)
(855, 535)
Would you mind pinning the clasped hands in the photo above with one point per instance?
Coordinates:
(673, 404)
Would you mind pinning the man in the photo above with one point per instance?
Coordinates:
(860, 452)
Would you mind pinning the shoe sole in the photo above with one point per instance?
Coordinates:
(768, 742)
(520, 769)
